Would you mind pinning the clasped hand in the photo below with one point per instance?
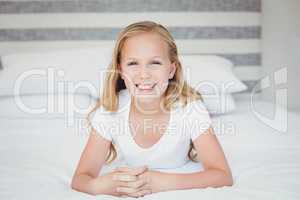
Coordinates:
(133, 182)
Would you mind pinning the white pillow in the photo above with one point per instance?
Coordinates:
(72, 69)
(210, 74)
(219, 104)
(46, 106)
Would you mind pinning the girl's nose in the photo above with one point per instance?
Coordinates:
(144, 72)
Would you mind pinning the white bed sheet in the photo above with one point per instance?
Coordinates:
(39, 156)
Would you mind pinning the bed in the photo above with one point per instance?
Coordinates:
(39, 155)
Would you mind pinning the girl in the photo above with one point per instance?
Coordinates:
(149, 113)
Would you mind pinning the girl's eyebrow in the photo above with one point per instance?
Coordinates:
(156, 57)
(132, 58)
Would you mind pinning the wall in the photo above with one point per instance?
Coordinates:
(229, 28)
(281, 44)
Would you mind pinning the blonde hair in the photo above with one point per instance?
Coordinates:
(177, 90)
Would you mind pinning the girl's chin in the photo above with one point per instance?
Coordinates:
(146, 98)
(153, 93)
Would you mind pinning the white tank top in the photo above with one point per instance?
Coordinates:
(170, 151)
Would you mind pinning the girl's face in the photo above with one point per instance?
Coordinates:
(145, 66)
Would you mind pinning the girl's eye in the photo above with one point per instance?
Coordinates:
(156, 63)
(131, 63)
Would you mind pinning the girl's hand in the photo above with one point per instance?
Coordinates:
(154, 180)
(110, 182)
(131, 187)
(138, 188)
(151, 183)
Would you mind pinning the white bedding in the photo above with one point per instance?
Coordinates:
(39, 156)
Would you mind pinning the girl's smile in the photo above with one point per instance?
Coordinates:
(145, 88)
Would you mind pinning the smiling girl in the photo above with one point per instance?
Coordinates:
(154, 118)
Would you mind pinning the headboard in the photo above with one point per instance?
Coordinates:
(229, 28)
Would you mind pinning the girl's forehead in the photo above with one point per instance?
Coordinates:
(145, 43)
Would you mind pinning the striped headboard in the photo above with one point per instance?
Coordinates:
(229, 28)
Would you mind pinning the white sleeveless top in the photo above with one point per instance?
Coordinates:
(186, 123)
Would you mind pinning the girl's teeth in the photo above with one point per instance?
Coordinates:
(145, 87)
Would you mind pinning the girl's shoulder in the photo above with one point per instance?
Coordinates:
(194, 109)
(195, 118)
(192, 105)
(197, 104)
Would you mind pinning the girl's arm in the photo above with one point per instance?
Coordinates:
(90, 163)
(86, 179)
(216, 170)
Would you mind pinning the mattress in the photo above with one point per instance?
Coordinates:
(39, 156)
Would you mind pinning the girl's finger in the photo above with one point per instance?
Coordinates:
(138, 170)
(129, 190)
(132, 184)
(122, 169)
(126, 190)
(124, 177)
(136, 184)
(123, 196)
(146, 186)
(140, 193)
(132, 171)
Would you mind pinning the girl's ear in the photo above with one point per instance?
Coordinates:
(173, 70)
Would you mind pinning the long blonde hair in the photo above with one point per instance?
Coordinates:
(177, 90)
